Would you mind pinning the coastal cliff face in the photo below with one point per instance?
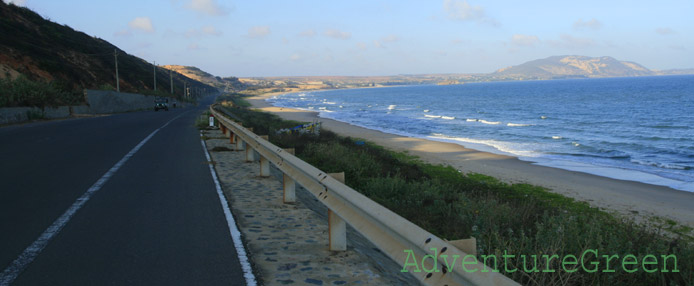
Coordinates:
(574, 67)
(44, 51)
(224, 83)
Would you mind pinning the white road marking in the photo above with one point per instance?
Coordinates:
(233, 230)
(18, 265)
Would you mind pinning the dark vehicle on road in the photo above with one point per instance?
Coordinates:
(161, 104)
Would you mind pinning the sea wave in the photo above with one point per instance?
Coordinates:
(391, 107)
(518, 125)
(489, 122)
(497, 147)
(671, 166)
(432, 116)
(448, 117)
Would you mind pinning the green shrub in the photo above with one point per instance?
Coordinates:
(24, 92)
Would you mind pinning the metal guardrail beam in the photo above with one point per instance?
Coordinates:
(395, 236)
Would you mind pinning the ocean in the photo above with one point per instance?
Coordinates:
(638, 129)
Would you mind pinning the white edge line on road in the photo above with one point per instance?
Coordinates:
(233, 230)
(18, 265)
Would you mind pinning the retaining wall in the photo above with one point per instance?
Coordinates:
(98, 102)
(101, 101)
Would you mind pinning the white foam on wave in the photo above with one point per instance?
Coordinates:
(391, 107)
(492, 146)
(426, 110)
(659, 165)
(518, 125)
(490, 122)
(471, 120)
(432, 116)
(448, 117)
(556, 137)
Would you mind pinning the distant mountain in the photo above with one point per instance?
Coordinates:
(573, 67)
(226, 83)
(47, 52)
(675, 72)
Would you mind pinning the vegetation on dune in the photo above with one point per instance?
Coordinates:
(516, 219)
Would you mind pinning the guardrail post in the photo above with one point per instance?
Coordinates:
(337, 226)
(232, 137)
(240, 144)
(250, 155)
(288, 184)
(222, 127)
(264, 162)
(264, 167)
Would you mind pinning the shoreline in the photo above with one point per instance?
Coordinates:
(630, 198)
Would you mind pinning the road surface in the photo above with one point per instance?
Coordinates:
(145, 207)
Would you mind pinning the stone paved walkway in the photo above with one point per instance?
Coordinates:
(288, 243)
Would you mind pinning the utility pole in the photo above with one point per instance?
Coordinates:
(154, 64)
(185, 88)
(115, 54)
(171, 79)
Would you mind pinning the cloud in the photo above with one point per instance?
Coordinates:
(665, 31)
(207, 7)
(308, 33)
(592, 24)
(193, 47)
(204, 31)
(337, 34)
(387, 39)
(362, 46)
(524, 40)
(142, 23)
(123, 33)
(258, 32)
(295, 57)
(390, 39)
(461, 10)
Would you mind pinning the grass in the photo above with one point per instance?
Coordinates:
(203, 121)
(24, 92)
(518, 219)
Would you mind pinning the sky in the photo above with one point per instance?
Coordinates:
(380, 37)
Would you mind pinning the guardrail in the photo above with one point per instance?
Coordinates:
(439, 262)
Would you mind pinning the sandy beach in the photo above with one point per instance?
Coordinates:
(633, 199)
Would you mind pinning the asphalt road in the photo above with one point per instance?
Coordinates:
(156, 221)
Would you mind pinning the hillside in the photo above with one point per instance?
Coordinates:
(227, 83)
(573, 67)
(557, 67)
(38, 50)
